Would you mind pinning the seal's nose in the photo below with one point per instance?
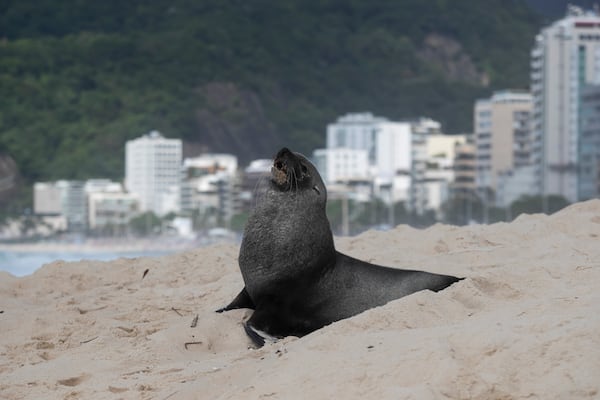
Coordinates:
(283, 152)
(280, 158)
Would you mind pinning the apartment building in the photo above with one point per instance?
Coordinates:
(502, 138)
(565, 61)
(153, 172)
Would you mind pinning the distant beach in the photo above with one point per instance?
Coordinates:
(22, 259)
(21, 263)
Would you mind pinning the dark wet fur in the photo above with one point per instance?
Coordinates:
(295, 279)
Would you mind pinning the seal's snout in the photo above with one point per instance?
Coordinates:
(279, 171)
(280, 162)
(288, 169)
(283, 152)
(280, 165)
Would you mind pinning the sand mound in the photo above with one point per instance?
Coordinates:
(524, 324)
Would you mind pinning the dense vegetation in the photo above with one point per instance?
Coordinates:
(78, 78)
(551, 10)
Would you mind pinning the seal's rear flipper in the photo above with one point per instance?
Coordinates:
(242, 300)
(444, 281)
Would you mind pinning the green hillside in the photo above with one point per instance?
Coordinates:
(79, 77)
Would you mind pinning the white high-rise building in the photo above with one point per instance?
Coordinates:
(153, 172)
(388, 144)
(388, 148)
(564, 60)
(589, 144)
(341, 164)
(355, 131)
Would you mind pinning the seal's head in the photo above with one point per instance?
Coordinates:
(293, 172)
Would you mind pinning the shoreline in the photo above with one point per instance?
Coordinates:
(104, 246)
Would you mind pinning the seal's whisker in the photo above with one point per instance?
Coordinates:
(290, 178)
(294, 182)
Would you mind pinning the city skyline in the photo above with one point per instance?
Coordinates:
(514, 154)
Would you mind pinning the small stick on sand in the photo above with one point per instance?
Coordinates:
(171, 395)
(178, 313)
(194, 322)
(89, 340)
(190, 343)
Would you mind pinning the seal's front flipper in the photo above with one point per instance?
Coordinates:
(258, 337)
(242, 300)
(260, 323)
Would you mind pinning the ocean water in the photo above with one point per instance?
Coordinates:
(25, 263)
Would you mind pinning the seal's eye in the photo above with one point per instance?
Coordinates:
(304, 169)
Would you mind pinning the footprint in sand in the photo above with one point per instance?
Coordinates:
(74, 381)
(441, 247)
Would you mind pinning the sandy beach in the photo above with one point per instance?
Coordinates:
(524, 324)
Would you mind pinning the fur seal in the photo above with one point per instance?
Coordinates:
(295, 280)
